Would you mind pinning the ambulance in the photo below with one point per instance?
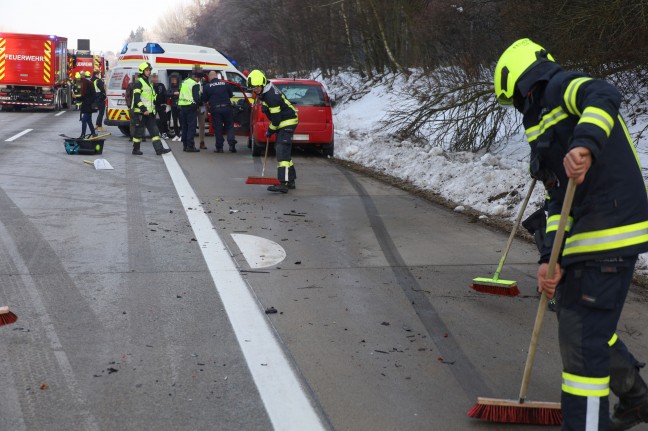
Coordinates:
(167, 59)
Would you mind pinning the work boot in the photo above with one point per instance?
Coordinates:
(632, 408)
(291, 185)
(232, 149)
(280, 188)
(203, 146)
(192, 150)
(136, 149)
(159, 149)
(218, 150)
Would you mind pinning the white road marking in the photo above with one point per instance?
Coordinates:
(14, 137)
(258, 251)
(60, 113)
(284, 397)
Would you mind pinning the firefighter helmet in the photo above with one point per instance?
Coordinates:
(256, 78)
(144, 66)
(77, 75)
(517, 59)
(87, 73)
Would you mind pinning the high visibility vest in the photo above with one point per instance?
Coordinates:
(186, 92)
(147, 97)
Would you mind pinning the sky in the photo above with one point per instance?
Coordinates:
(106, 24)
(470, 179)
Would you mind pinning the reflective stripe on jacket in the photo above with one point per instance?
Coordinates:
(610, 210)
(279, 110)
(143, 96)
(186, 97)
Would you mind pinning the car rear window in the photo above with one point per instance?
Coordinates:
(303, 94)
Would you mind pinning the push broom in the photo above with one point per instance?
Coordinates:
(6, 316)
(263, 179)
(522, 411)
(494, 285)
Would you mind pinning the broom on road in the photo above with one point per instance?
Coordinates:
(263, 179)
(522, 411)
(6, 316)
(494, 285)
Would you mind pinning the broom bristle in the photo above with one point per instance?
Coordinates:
(6, 316)
(263, 180)
(495, 287)
(495, 290)
(517, 413)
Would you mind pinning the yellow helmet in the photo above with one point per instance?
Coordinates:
(144, 66)
(256, 78)
(77, 75)
(517, 59)
(87, 73)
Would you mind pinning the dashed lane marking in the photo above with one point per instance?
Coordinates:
(14, 137)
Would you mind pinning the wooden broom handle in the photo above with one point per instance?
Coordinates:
(265, 158)
(516, 225)
(553, 259)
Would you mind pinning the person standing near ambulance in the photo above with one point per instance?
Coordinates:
(144, 111)
(87, 93)
(218, 94)
(189, 102)
(100, 99)
(283, 121)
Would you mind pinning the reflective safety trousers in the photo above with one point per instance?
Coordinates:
(595, 361)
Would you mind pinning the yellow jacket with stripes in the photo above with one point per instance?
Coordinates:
(610, 211)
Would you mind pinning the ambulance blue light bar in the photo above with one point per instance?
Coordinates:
(153, 48)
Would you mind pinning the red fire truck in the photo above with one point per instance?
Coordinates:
(33, 71)
(84, 61)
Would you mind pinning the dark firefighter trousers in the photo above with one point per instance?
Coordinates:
(590, 299)
(149, 123)
(283, 147)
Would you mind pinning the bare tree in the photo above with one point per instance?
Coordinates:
(173, 25)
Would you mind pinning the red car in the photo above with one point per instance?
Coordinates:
(313, 109)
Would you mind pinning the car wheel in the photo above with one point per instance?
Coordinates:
(328, 150)
(125, 130)
(257, 149)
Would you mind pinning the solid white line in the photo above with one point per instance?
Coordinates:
(14, 137)
(283, 396)
(60, 113)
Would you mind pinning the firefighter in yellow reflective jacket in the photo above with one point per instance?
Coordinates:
(283, 122)
(574, 129)
(143, 109)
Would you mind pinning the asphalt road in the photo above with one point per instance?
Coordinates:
(141, 294)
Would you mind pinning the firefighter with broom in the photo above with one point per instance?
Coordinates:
(574, 129)
(283, 121)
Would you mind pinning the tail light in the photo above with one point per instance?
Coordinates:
(327, 101)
